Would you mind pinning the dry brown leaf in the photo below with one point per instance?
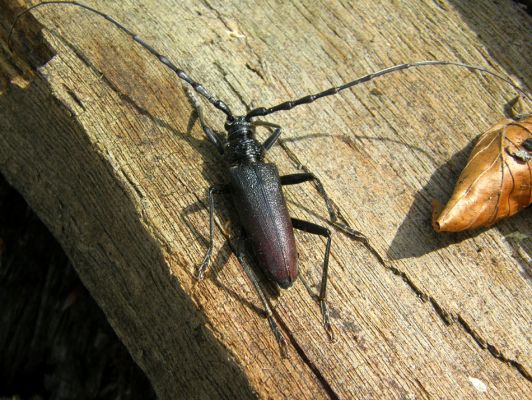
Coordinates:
(496, 181)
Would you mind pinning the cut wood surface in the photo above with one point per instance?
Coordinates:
(94, 134)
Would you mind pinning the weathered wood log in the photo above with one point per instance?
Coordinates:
(94, 135)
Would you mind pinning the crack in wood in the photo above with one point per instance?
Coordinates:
(301, 352)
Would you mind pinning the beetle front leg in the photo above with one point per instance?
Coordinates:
(270, 141)
(213, 136)
(309, 227)
(294, 179)
(215, 189)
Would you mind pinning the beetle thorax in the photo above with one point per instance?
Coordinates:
(241, 146)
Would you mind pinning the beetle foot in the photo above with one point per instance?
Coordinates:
(279, 337)
(326, 320)
(351, 232)
(200, 274)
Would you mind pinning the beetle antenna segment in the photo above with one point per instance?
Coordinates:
(288, 105)
(217, 103)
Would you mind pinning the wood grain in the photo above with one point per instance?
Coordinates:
(94, 135)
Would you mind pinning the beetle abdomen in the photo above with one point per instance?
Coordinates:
(258, 197)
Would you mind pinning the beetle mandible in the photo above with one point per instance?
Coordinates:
(255, 185)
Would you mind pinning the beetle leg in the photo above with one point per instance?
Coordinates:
(215, 189)
(294, 179)
(269, 314)
(322, 298)
(270, 141)
(213, 136)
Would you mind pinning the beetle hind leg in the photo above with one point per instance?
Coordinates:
(309, 227)
(215, 189)
(294, 179)
(267, 309)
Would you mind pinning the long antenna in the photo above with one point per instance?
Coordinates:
(288, 105)
(219, 104)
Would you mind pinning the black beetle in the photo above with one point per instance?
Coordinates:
(255, 186)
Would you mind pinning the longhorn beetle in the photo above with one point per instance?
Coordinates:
(255, 186)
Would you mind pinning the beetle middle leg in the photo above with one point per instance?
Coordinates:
(294, 179)
(309, 227)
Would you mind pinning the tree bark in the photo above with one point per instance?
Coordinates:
(95, 136)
